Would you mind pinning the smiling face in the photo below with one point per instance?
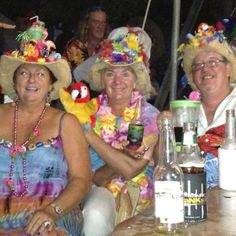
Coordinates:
(32, 82)
(119, 83)
(211, 73)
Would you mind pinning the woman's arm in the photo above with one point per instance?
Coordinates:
(79, 171)
(121, 162)
(79, 176)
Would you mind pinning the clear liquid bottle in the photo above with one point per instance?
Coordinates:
(227, 154)
(195, 181)
(136, 128)
(168, 184)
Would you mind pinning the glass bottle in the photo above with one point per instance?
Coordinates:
(227, 154)
(168, 183)
(195, 182)
(136, 128)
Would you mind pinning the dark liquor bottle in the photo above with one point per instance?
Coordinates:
(227, 154)
(136, 128)
(168, 183)
(195, 187)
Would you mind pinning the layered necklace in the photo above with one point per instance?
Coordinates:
(21, 151)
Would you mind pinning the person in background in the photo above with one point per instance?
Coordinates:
(122, 177)
(44, 165)
(91, 31)
(210, 66)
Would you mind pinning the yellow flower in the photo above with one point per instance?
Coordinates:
(41, 60)
(128, 114)
(114, 188)
(132, 41)
(29, 50)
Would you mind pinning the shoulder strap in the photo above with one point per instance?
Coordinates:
(60, 123)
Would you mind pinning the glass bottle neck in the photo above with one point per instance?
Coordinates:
(138, 110)
(167, 152)
(230, 130)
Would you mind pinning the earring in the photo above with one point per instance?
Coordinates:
(48, 100)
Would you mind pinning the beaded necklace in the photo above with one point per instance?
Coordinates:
(21, 150)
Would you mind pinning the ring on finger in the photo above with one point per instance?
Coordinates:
(47, 224)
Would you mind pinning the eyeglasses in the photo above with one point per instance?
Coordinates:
(211, 63)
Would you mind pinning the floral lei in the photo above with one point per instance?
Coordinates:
(110, 128)
(113, 130)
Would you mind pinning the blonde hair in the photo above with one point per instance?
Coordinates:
(142, 83)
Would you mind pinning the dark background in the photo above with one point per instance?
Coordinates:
(120, 13)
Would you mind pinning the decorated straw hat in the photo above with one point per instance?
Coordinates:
(207, 38)
(124, 47)
(34, 49)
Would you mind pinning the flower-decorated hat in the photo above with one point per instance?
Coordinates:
(207, 38)
(34, 49)
(124, 47)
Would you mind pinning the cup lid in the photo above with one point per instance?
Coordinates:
(184, 103)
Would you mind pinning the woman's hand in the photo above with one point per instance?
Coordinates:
(136, 154)
(41, 222)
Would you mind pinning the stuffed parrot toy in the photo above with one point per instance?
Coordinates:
(76, 100)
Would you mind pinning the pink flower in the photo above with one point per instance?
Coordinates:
(194, 95)
(20, 149)
(9, 183)
(12, 152)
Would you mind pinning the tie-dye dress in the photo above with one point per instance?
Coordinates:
(46, 173)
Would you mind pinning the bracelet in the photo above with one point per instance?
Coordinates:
(57, 209)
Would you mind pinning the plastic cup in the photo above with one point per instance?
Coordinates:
(183, 111)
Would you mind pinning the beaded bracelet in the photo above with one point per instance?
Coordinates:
(57, 209)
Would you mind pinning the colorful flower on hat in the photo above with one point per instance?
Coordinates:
(34, 47)
(205, 34)
(123, 50)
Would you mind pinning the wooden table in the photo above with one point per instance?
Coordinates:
(221, 219)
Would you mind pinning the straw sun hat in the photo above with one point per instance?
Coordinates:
(34, 50)
(124, 47)
(207, 38)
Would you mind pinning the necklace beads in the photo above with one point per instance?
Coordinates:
(21, 151)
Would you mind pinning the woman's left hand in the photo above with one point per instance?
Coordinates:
(41, 222)
(136, 154)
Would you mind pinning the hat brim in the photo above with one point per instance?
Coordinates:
(143, 83)
(190, 52)
(9, 64)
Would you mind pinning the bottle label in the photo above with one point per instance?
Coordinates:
(135, 136)
(227, 173)
(189, 138)
(195, 198)
(169, 207)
